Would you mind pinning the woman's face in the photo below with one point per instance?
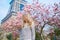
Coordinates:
(25, 18)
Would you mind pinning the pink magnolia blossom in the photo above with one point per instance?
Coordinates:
(13, 23)
(40, 14)
(44, 13)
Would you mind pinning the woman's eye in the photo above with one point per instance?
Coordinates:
(25, 21)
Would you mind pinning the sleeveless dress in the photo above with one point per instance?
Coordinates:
(27, 33)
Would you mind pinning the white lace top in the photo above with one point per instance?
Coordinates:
(27, 33)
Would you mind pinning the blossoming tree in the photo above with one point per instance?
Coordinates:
(41, 15)
(44, 15)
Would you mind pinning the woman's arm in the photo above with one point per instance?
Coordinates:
(33, 31)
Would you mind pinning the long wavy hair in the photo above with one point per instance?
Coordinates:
(27, 19)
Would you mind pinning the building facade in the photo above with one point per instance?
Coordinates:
(15, 6)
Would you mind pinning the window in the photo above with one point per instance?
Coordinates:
(21, 7)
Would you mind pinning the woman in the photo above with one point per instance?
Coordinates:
(28, 30)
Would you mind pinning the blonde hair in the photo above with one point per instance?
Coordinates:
(27, 19)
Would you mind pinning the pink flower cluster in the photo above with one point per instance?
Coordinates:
(40, 13)
(13, 23)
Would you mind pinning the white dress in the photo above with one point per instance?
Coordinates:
(27, 33)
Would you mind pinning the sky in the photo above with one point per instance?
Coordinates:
(4, 6)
